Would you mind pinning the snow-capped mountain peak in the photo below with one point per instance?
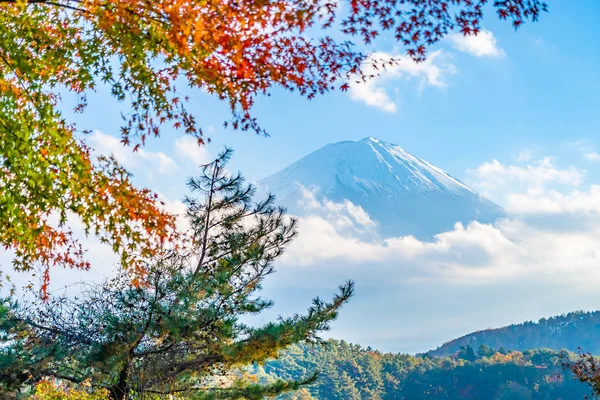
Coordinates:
(404, 193)
(422, 173)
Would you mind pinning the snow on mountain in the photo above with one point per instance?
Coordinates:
(404, 194)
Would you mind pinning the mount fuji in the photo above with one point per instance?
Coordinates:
(403, 194)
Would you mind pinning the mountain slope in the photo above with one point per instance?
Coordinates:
(520, 362)
(351, 372)
(403, 193)
(570, 331)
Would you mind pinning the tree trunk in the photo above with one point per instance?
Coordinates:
(121, 389)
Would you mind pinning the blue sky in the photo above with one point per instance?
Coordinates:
(541, 94)
(527, 99)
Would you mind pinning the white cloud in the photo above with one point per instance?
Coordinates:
(321, 240)
(491, 176)
(346, 213)
(587, 150)
(432, 72)
(324, 237)
(165, 163)
(523, 156)
(542, 201)
(484, 44)
(106, 144)
(592, 156)
(509, 250)
(538, 188)
(188, 147)
(373, 95)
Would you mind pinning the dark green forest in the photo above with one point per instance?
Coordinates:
(569, 331)
(351, 372)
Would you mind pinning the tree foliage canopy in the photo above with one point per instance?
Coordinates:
(140, 50)
(353, 372)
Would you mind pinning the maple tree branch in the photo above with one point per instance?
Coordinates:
(50, 3)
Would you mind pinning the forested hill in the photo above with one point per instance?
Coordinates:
(571, 331)
(350, 372)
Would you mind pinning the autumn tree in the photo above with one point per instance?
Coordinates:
(48, 389)
(586, 369)
(183, 331)
(140, 50)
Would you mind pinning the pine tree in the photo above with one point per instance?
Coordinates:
(180, 330)
(485, 351)
(466, 353)
(346, 389)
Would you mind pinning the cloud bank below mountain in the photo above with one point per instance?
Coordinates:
(541, 260)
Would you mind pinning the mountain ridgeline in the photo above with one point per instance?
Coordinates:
(405, 194)
(351, 372)
(570, 332)
(518, 362)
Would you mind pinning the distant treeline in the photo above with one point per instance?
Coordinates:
(571, 332)
(350, 372)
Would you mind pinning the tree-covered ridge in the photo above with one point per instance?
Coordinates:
(571, 332)
(350, 372)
